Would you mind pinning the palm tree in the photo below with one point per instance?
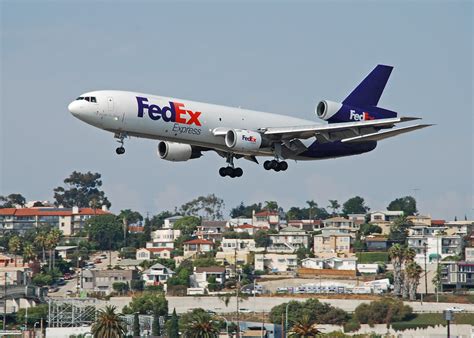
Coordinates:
(304, 327)
(52, 240)
(413, 273)
(14, 246)
(408, 257)
(312, 204)
(28, 253)
(396, 257)
(334, 205)
(40, 241)
(108, 324)
(200, 325)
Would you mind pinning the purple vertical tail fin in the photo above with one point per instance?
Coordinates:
(368, 92)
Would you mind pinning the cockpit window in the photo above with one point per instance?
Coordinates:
(93, 99)
(79, 98)
(87, 98)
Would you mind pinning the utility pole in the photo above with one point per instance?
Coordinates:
(5, 303)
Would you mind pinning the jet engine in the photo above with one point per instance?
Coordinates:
(243, 140)
(177, 152)
(326, 109)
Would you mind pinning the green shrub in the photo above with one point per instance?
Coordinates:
(351, 326)
(386, 310)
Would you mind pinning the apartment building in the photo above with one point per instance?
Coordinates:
(436, 247)
(276, 262)
(332, 243)
(288, 239)
(102, 280)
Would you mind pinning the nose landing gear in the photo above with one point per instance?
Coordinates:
(275, 165)
(120, 139)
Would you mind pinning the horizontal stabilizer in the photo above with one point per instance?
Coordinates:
(384, 134)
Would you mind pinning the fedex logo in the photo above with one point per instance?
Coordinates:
(174, 113)
(249, 138)
(360, 117)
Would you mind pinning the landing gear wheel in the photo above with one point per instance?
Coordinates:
(274, 165)
(238, 172)
(267, 165)
(120, 150)
(228, 171)
(277, 168)
(283, 165)
(222, 172)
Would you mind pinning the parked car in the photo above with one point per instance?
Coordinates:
(67, 276)
(61, 281)
(97, 261)
(69, 292)
(53, 289)
(244, 310)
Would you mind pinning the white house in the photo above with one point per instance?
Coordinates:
(248, 228)
(163, 238)
(232, 244)
(436, 247)
(266, 219)
(157, 274)
(336, 263)
(368, 268)
(201, 276)
(288, 239)
(196, 246)
(153, 253)
(276, 262)
(385, 216)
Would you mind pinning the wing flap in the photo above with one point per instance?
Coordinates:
(384, 134)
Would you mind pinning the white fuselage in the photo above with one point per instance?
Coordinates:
(175, 120)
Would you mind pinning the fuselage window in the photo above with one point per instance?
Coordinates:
(93, 99)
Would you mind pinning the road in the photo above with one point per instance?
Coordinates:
(261, 304)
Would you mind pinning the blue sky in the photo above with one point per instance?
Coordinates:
(281, 58)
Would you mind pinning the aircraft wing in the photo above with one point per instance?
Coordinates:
(384, 134)
(333, 132)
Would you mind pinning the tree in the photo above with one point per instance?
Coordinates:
(155, 326)
(210, 207)
(52, 241)
(399, 229)
(408, 257)
(148, 302)
(188, 225)
(35, 313)
(396, 256)
(106, 231)
(261, 239)
(28, 253)
(246, 211)
(368, 229)
(129, 217)
(406, 204)
(108, 324)
(40, 241)
(199, 324)
(136, 325)
(14, 246)
(355, 205)
(312, 205)
(42, 279)
(334, 205)
(12, 201)
(413, 273)
(120, 287)
(173, 328)
(304, 327)
(271, 206)
(82, 190)
(384, 311)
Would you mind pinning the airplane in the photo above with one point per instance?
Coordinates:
(186, 129)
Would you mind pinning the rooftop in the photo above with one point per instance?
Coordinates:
(199, 241)
(25, 212)
(215, 269)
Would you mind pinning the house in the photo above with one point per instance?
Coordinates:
(211, 230)
(157, 274)
(197, 246)
(332, 243)
(336, 263)
(248, 228)
(426, 230)
(102, 281)
(163, 238)
(457, 275)
(462, 228)
(19, 275)
(358, 219)
(306, 224)
(288, 239)
(377, 243)
(201, 275)
(469, 254)
(419, 220)
(371, 268)
(153, 253)
(436, 247)
(384, 219)
(69, 220)
(168, 223)
(230, 257)
(340, 222)
(237, 244)
(275, 262)
(235, 222)
(266, 219)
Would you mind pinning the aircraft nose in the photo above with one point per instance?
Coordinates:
(73, 108)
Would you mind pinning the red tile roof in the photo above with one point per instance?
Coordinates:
(199, 241)
(266, 213)
(246, 226)
(25, 212)
(158, 249)
(438, 222)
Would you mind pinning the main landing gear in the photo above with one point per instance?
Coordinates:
(120, 137)
(230, 170)
(275, 165)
